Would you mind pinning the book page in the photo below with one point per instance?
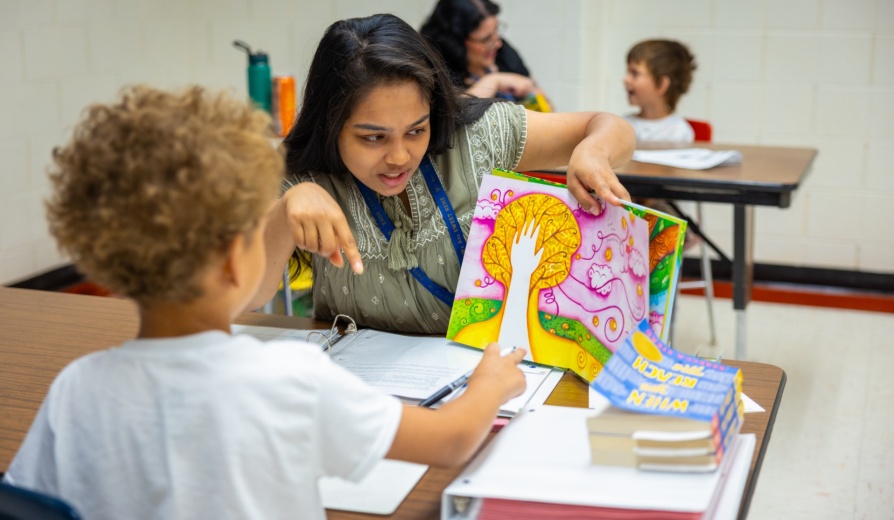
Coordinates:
(412, 367)
(542, 273)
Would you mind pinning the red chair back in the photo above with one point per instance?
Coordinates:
(702, 129)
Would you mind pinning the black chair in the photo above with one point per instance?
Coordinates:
(23, 504)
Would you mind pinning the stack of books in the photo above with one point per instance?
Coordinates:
(664, 410)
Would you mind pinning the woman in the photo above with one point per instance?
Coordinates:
(468, 34)
(378, 106)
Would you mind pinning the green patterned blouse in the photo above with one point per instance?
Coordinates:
(386, 296)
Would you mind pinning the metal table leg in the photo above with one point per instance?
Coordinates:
(286, 293)
(743, 270)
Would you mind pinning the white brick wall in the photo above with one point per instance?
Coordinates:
(816, 73)
(61, 55)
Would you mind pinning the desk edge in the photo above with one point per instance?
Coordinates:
(762, 449)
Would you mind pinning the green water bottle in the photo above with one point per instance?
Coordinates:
(259, 76)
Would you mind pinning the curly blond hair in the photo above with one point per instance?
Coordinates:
(155, 186)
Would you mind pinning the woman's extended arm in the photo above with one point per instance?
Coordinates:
(489, 84)
(307, 217)
(589, 143)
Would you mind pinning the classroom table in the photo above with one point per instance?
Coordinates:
(41, 332)
(767, 176)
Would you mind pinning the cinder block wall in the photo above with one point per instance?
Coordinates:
(816, 73)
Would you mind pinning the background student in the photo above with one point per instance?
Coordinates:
(378, 106)
(469, 36)
(162, 198)
(659, 72)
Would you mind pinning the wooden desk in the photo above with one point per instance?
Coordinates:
(41, 332)
(767, 176)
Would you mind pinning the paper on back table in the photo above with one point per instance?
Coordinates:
(689, 158)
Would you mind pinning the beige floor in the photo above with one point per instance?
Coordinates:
(831, 454)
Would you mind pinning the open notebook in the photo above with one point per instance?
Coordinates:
(411, 367)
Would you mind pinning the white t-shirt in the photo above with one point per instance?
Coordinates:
(670, 129)
(203, 426)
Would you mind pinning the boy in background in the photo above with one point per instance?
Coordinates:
(162, 198)
(658, 73)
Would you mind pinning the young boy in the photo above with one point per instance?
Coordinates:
(658, 73)
(162, 198)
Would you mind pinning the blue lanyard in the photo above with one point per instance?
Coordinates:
(440, 195)
(447, 213)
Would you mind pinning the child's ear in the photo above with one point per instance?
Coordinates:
(234, 255)
(664, 83)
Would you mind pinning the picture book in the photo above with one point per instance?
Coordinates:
(666, 235)
(665, 397)
(542, 273)
(646, 375)
(609, 450)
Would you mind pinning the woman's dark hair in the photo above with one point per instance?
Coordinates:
(354, 57)
(450, 24)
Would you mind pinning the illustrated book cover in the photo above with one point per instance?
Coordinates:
(665, 407)
(542, 273)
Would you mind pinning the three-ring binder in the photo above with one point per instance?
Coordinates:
(334, 335)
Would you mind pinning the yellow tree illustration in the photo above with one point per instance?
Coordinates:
(534, 240)
(530, 249)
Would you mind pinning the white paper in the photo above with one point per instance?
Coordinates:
(380, 492)
(751, 405)
(546, 389)
(689, 158)
(406, 366)
(539, 384)
(727, 507)
(275, 333)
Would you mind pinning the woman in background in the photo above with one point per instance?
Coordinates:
(469, 36)
(383, 167)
